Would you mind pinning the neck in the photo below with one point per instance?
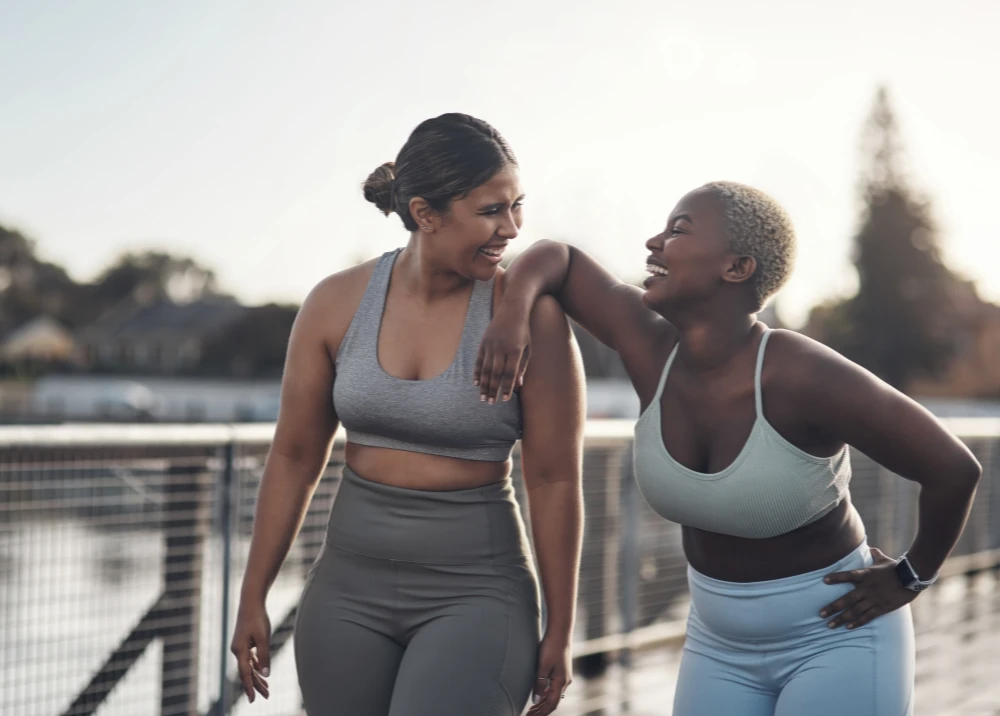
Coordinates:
(707, 345)
(423, 277)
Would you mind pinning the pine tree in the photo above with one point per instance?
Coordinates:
(897, 324)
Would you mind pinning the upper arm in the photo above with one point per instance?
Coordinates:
(613, 312)
(307, 417)
(552, 400)
(854, 406)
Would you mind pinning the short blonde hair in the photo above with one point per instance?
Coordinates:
(757, 226)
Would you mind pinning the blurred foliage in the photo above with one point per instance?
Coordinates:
(897, 325)
(251, 346)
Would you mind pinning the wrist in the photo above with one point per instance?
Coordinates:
(910, 577)
(517, 303)
(558, 634)
(252, 593)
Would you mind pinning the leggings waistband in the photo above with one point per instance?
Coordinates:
(408, 525)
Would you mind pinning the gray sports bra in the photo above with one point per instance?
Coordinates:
(440, 416)
(771, 488)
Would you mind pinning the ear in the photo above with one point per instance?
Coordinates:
(425, 216)
(739, 269)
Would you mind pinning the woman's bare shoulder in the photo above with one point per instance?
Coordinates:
(331, 304)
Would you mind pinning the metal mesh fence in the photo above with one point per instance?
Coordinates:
(122, 551)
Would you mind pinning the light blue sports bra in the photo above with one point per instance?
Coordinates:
(771, 488)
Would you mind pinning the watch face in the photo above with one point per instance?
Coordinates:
(907, 575)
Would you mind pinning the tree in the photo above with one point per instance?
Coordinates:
(153, 276)
(253, 346)
(30, 287)
(897, 324)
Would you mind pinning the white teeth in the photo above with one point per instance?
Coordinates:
(657, 270)
(492, 252)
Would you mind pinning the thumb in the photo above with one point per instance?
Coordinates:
(878, 554)
(264, 654)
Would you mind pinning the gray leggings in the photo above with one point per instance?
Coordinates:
(420, 603)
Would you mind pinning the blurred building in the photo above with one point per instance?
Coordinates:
(40, 340)
(162, 337)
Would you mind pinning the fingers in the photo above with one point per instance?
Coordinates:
(509, 379)
(522, 367)
(263, 656)
(260, 684)
(540, 689)
(253, 665)
(477, 372)
(863, 619)
(845, 602)
(855, 575)
(486, 373)
(852, 615)
(492, 387)
(240, 648)
(245, 677)
(548, 693)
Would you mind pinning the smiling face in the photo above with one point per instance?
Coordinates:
(691, 259)
(471, 237)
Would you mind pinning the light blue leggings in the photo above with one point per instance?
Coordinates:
(761, 649)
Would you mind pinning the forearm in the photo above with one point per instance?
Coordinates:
(542, 269)
(943, 511)
(285, 492)
(557, 530)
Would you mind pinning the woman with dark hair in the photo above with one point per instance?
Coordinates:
(743, 441)
(424, 597)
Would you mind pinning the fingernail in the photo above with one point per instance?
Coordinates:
(506, 397)
(482, 398)
(266, 671)
(491, 401)
(831, 625)
(827, 580)
(823, 613)
(850, 626)
(475, 382)
(535, 698)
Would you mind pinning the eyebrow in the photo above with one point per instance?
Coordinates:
(495, 204)
(686, 218)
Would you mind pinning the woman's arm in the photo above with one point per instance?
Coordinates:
(852, 405)
(608, 308)
(552, 402)
(299, 452)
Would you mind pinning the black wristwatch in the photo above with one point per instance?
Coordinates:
(909, 578)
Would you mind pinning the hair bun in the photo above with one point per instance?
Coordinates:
(378, 187)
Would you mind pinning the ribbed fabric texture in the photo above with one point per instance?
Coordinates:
(440, 416)
(771, 488)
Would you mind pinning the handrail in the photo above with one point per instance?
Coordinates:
(74, 434)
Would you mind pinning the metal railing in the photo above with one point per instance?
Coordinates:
(122, 549)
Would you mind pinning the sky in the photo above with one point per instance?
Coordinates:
(239, 132)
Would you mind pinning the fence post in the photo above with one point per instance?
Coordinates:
(599, 561)
(186, 522)
(226, 530)
(628, 577)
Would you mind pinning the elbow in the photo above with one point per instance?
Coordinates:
(968, 471)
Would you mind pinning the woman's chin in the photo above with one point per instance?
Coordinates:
(653, 295)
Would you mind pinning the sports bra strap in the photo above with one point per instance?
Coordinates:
(758, 396)
(666, 372)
